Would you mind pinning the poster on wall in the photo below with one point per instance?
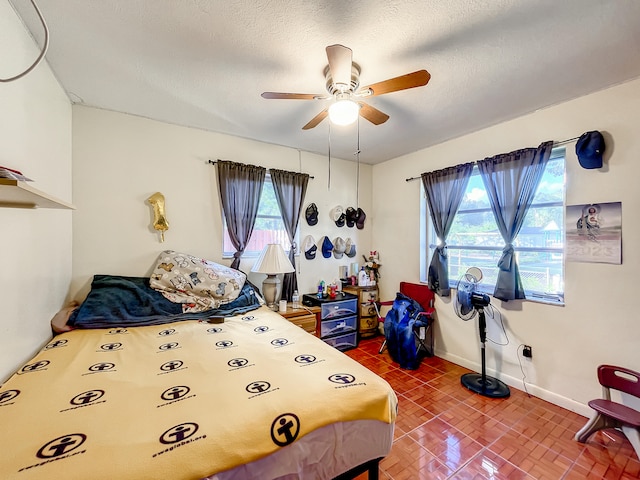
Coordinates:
(594, 233)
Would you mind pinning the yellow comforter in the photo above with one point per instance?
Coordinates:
(177, 401)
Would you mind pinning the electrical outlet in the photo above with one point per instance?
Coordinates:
(527, 352)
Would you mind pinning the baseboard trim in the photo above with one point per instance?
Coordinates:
(536, 391)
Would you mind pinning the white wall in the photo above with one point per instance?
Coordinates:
(35, 245)
(599, 323)
(119, 160)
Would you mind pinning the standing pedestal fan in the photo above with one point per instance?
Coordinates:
(469, 303)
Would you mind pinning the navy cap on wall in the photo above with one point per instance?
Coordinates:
(589, 149)
(309, 247)
(311, 214)
(352, 216)
(327, 247)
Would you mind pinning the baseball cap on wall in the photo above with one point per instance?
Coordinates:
(361, 218)
(327, 247)
(311, 214)
(309, 247)
(350, 248)
(338, 216)
(352, 216)
(589, 149)
(338, 247)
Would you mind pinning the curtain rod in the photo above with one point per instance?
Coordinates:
(213, 162)
(555, 144)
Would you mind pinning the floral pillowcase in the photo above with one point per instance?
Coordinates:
(196, 283)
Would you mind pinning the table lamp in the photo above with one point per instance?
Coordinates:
(272, 261)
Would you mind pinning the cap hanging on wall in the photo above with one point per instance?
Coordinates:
(350, 248)
(311, 214)
(338, 216)
(327, 247)
(309, 247)
(361, 218)
(338, 247)
(352, 216)
(589, 149)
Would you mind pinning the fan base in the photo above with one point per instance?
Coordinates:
(489, 387)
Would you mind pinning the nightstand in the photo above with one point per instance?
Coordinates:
(304, 317)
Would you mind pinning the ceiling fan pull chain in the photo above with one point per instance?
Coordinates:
(358, 165)
(329, 176)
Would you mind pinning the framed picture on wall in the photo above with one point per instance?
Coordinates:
(594, 233)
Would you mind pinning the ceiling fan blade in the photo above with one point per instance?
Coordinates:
(316, 120)
(340, 60)
(372, 114)
(410, 80)
(291, 96)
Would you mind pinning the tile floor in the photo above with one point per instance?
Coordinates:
(444, 431)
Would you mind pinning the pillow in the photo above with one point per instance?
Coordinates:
(186, 279)
(59, 320)
(116, 301)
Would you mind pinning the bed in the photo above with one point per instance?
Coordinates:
(232, 393)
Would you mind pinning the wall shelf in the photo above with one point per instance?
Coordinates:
(18, 194)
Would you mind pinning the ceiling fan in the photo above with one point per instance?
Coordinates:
(342, 82)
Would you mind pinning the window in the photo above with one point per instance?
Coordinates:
(269, 227)
(474, 239)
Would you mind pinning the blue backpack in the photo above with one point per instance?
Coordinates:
(398, 331)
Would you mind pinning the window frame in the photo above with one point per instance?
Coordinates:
(255, 253)
(428, 240)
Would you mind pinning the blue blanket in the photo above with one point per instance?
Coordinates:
(398, 331)
(116, 301)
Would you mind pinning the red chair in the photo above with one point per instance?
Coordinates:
(610, 414)
(425, 297)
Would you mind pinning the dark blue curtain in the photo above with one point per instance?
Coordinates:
(290, 188)
(445, 190)
(240, 187)
(511, 181)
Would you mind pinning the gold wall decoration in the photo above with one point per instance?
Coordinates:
(160, 222)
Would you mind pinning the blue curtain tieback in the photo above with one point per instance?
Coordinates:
(506, 259)
(238, 254)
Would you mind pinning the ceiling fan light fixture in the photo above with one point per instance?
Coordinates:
(343, 111)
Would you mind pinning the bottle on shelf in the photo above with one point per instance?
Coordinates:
(362, 278)
(295, 299)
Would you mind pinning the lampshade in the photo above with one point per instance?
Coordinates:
(343, 111)
(273, 260)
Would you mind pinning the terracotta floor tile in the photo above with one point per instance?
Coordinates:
(505, 410)
(530, 456)
(410, 415)
(377, 365)
(407, 460)
(482, 428)
(611, 463)
(450, 384)
(488, 465)
(400, 381)
(444, 431)
(432, 399)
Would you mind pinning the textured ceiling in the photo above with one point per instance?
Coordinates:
(204, 64)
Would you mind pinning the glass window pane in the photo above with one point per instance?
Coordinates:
(269, 227)
(474, 239)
